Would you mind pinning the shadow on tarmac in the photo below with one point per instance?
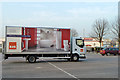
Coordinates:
(44, 61)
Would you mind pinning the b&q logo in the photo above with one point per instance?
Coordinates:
(12, 45)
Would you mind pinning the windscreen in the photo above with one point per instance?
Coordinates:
(80, 42)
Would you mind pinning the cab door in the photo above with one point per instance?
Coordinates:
(78, 46)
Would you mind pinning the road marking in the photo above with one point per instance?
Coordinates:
(63, 71)
(38, 67)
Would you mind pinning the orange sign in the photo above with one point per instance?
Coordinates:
(12, 45)
(88, 45)
(81, 50)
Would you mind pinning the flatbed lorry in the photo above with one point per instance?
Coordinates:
(35, 42)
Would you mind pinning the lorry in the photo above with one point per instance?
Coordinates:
(33, 43)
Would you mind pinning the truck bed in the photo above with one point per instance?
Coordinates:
(44, 50)
(50, 50)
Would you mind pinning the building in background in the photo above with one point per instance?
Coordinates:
(92, 43)
(106, 43)
(1, 42)
(117, 43)
(114, 42)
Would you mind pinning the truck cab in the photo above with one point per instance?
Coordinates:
(78, 48)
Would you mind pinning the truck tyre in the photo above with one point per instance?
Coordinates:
(75, 57)
(31, 59)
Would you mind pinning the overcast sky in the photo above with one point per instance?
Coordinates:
(77, 15)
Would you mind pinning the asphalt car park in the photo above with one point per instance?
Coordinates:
(95, 66)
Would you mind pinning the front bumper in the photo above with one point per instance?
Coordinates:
(83, 56)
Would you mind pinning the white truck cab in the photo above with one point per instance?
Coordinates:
(78, 47)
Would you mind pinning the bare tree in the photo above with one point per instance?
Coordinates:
(74, 33)
(100, 28)
(116, 30)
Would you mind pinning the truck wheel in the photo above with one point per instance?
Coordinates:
(31, 59)
(75, 57)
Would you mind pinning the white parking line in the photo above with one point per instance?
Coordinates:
(63, 71)
(38, 67)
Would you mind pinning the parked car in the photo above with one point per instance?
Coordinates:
(109, 51)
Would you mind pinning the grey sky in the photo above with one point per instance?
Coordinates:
(77, 15)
